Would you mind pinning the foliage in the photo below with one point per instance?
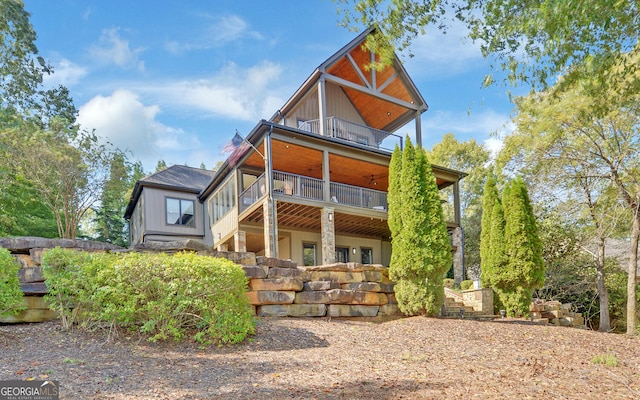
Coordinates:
(466, 284)
(471, 158)
(533, 41)
(22, 212)
(555, 132)
(523, 268)
(608, 359)
(490, 200)
(448, 283)
(110, 224)
(421, 253)
(160, 295)
(10, 291)
(66, 168)
(394, 198)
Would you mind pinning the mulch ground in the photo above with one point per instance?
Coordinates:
(410, 358)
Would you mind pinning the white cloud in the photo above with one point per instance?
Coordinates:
(239, 93)
(440, 54)
(485, 125)
(131, 125)
(66, 73)
(115, 50)
(222, 31)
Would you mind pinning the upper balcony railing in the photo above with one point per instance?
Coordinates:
(354, 133)
(313, 189)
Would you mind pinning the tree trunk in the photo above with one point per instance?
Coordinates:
(631, 279)
(603, 295)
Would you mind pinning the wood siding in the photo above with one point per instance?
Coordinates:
(338, 105)
(155, 213)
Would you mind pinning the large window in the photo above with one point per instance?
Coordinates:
(309, 254)
(180, 212)
(222, 200)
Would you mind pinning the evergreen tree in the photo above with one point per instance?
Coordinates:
(421, 252)
(111, 225)
(523, 269)
(489, 200)
(393, 192)
(161, 166)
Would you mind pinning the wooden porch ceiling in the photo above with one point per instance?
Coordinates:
(300, 160)
(376, 112)
(304, 217)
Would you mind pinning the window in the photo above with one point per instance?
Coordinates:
(366, 255)
(222, 200)
(180, 212)
(309, 254)
(342, 254)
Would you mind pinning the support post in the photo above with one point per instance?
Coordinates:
(328, 235)
(240, 241)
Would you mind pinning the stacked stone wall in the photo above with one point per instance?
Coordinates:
(279, 288)
(556, 313)
(27, 251)
(276, 287)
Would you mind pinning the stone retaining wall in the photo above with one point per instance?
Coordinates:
(27, 251)
(279, 288)
(276, 287)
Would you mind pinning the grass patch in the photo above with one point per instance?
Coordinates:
(605, 359)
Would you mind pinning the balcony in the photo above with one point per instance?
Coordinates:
(353, 133)
(304, 187)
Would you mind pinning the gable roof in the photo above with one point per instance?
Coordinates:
(176, 177)
(389, 90)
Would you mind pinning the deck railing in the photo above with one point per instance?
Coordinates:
(251, 194)
(297, 185)
(353, 132)
(358, 196)
(311, 188)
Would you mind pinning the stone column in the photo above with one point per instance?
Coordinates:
(328, 234)
(458, 255)
(222, 247)
(240, 241)
(270, 229)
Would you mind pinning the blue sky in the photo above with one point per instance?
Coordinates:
(173, 80)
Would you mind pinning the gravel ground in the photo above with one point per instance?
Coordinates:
(410, 358)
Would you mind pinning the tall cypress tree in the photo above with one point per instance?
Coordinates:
(523, 249)
(489, 200)
(421, 247)
(394, 218)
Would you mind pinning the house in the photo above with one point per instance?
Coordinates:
(165, 206)
(309, 184)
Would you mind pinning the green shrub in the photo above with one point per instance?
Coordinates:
(466, 284)
(10, 292)
(68, 282)
(160, 295)
(448, 283)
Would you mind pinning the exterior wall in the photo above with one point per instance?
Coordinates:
(298, 238)
(155, 214)
(136, 222)
(338, 105)
(225, 227)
